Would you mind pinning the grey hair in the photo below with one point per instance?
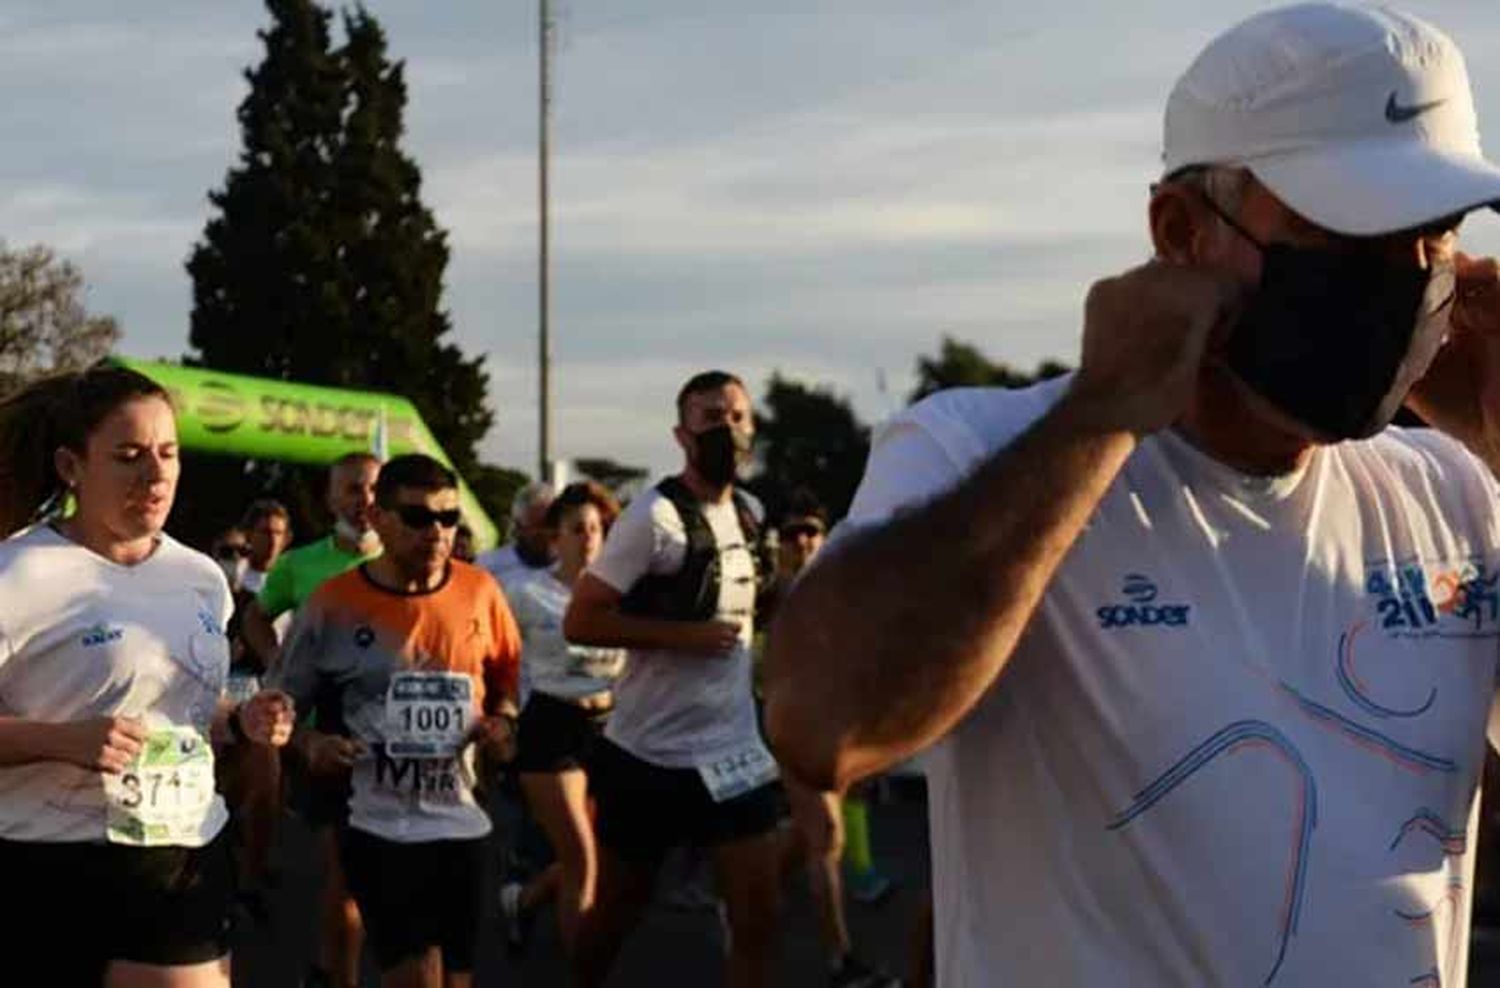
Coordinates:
(1225, 185)
(537, 494)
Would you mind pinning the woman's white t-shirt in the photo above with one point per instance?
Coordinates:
(551, 664)
(82, 637)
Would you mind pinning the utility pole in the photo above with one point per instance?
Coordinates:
(544, 288)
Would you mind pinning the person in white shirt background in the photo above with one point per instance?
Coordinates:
(113, 661)
(570, 700)
(529, 550)
(1239, 740)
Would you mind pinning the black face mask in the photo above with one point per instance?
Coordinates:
(1335, 339)
(718, 453)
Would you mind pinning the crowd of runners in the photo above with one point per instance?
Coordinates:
(1202, 650)
(171, 707)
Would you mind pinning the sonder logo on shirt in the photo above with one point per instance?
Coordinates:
(101, 634)
(1140, 607)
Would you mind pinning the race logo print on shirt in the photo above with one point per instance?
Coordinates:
(1444, 600)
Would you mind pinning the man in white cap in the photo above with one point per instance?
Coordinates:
(1240, 739)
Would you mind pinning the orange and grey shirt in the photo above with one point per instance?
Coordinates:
(408, 674)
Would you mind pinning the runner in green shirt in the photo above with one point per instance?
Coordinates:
(351, 492)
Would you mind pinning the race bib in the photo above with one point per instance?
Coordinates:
(427, 714)
(165, 794)
(736, 774)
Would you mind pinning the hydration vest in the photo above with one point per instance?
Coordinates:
(692, 593)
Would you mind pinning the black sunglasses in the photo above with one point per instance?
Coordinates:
(231, 551)
(801, 528)
(416, 516)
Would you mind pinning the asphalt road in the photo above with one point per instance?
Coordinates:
(674, 946)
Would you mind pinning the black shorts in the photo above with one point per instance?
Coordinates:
(418, 895)
(74, 907)
(646, 810)
(554, 735)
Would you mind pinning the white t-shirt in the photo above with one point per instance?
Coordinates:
(682, 709)
(82, 637)
(1241, 740)
(549, 663)
(512, 573)
(508, 568)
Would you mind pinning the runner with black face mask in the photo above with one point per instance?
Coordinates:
(682, 761)
(1207, 659)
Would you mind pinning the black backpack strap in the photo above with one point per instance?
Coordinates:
(692, 593)
(755, 541)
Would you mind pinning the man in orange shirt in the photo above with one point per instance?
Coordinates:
(420, 651)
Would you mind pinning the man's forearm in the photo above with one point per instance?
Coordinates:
(259, 634)
(602, 627)
(883, 646)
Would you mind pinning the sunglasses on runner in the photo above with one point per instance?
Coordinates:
(416, 516)
(231, 551)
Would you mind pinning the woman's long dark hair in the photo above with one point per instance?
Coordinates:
(58, 412)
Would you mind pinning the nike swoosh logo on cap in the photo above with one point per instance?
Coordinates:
(1396, 113)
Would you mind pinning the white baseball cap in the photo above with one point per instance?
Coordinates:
(1358, 118)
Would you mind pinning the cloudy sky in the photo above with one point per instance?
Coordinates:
(824, 187)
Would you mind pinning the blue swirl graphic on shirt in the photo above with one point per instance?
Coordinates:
(1454, 841)
(1236, 735)
(1455, 898)
(1381, 744)
(1354, 689)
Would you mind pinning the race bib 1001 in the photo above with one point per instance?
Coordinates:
(165, 794)
(739, 772)
(428, 714)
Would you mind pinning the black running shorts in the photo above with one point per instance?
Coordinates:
(77, 906)
(646, 810)
(417, 895)
(554, 735)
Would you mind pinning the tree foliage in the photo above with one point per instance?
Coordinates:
(809, 438)
(963, 365)
(495, 488)
(320, 263)
(44, 326)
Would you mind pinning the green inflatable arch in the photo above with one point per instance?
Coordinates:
(266, 419)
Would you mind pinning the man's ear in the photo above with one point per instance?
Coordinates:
(1179, 223)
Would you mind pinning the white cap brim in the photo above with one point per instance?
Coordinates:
(1367, 188)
